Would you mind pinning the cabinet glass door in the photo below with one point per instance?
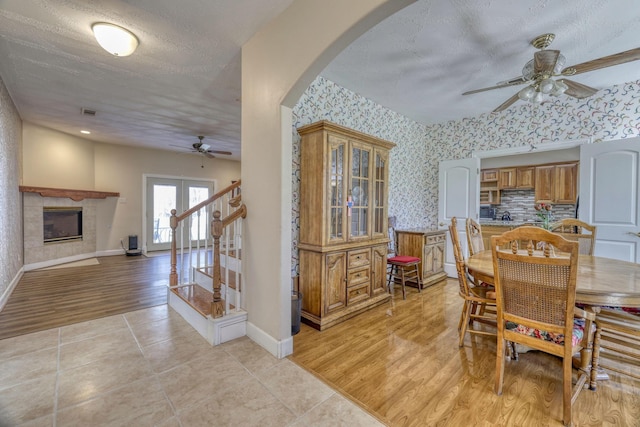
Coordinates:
(360, 191)
(380, 194)
(337, 198)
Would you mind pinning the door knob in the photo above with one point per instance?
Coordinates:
(633, 234)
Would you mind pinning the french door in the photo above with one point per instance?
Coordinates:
(165, 194)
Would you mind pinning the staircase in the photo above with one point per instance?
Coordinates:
(205, 282)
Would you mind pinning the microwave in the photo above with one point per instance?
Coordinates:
(487, 212)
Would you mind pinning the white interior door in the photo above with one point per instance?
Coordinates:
(458, 196)
(165, 194)
(610, 196)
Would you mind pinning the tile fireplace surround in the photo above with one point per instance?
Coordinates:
(37, 254)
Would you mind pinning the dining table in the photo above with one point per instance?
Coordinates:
(600, 282)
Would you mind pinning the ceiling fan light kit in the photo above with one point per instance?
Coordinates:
(538, 73)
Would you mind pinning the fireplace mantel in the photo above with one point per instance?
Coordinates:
(75, 195)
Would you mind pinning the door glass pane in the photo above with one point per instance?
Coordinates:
(164, 200)
(359, 192)
(337, 198)
(378, 204)
(199, 223)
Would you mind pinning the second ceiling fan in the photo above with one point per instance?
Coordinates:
(202, 148)
(538, 73)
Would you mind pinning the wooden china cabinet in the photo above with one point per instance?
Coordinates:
(343, 222)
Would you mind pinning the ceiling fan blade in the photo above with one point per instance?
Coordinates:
(578, 90)
(499, 86)
(604, 62)
(179, 146)
(513, 81)
(544, 61)
(208, 154)
(506, 104)
(226, 153)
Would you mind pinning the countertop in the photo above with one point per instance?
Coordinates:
(515, 223)
(425, 231)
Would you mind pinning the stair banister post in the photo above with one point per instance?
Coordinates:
(217, 305)
(173, 223)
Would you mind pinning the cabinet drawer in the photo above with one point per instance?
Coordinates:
(356, 276)
(357, 293)
(436, 239)
(359, 258)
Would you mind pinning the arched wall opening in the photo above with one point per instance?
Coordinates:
(278, 63)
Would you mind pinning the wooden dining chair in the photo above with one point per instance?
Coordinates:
(535, 298)
(400, 268)
(473, 295)
(578, 231)
(618, 334)
(474, 237)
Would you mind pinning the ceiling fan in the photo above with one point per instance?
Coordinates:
(202, 148)
(546, 64)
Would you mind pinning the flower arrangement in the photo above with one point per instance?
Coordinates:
(543, 211)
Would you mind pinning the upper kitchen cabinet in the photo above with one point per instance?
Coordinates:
(506, 178)
(525, 177)
(489, 192)
(556, 183)
(516, 178)
(489, 175)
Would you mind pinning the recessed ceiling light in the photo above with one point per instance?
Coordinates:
(86, 132)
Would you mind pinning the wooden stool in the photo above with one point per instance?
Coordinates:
(403, 268)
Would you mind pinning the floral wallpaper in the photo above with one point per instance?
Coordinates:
(610, 114)
(10, 201)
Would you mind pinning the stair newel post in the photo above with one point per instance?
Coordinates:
(217, 305)
(173, 223)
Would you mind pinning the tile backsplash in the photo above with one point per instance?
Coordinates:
(520, 204)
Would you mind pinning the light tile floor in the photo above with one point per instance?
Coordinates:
(150, 368)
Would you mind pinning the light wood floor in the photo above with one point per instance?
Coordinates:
(401, 362)
(48, 299)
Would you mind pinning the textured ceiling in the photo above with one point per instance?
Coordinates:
(184, 79)
(419, 61)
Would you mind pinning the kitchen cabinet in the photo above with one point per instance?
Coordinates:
(507, 178)
(556, 183)
(521, 178)
(525, 177)
(489, 175)
(429, 246)
(489, 192)
(343, 222)
(566, 184)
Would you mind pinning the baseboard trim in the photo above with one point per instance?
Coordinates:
(279, 349)
(9, 289)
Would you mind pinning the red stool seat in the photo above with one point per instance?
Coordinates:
(403, 268)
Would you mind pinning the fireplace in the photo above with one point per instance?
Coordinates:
(62, 224)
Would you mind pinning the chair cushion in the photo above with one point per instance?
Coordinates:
(578, 332)
(403, 259)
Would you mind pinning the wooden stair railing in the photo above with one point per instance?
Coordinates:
(218, 226)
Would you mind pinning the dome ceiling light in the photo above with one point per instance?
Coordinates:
(116, 40)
